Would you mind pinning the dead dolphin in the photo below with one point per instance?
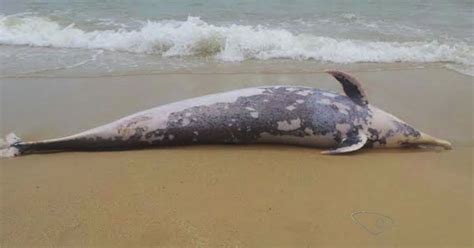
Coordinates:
(270, 114)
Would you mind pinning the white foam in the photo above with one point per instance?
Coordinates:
(462, 68)
(194, 37)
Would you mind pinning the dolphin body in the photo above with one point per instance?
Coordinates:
(270, 114)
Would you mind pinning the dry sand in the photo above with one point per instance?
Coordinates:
(235, 196)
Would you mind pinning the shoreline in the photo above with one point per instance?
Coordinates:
(196, 66)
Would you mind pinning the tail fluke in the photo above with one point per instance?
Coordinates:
(8, 148)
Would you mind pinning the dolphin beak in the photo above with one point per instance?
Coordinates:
(426, 139)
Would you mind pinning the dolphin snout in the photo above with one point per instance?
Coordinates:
(426, 139)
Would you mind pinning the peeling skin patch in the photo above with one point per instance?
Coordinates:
(343, 128)
(291, 107)
(250, 109)
(289, 125)
(185, 122)
(304, 92)
(329, 94)
(254, 114)
(342, 108)
(127, 128)
(299, 101)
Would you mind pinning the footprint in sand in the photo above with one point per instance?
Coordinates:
(372, 222)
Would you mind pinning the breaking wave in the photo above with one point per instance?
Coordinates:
(195, 37)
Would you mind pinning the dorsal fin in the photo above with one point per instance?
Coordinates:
(351, 86)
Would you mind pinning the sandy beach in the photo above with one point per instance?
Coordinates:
(236, 196)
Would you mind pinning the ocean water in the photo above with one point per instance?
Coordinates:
(120, 37)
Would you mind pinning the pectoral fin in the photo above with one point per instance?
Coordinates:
(350, 144)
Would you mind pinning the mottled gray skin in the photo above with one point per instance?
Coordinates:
(273, 114)
(233, 123)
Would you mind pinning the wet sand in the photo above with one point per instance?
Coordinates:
(236, 196)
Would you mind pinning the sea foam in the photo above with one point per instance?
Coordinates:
(195, 37)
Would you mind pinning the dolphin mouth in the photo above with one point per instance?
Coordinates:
(428, 140)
